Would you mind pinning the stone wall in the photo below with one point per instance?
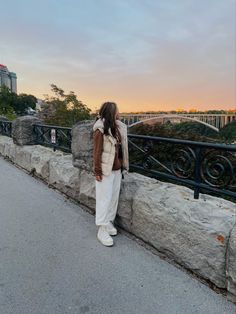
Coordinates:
(231, 266)
(198, 234)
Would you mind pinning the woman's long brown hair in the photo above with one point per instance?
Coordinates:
(108, 112)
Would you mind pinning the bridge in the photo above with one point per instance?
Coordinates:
(51, 261)
(215, 121)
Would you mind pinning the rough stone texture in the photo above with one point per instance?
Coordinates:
(64, 176)
(22, 157)
(81, 146)
(194, 232)
(4, 141)
(22, 130)
(231, 265)
(40, 158)
(87, 189)
(129, 186)
(8, 148)
(31, 158)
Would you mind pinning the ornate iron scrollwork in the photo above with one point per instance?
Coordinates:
(204, 166)
(218, 169)
(183, 162)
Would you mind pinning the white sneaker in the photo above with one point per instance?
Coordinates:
(104, 237)
(111, 229)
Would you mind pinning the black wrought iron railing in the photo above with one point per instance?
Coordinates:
(5, 127)
(53, 136)
(206, 167)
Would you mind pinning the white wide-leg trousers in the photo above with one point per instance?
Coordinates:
(107, 197)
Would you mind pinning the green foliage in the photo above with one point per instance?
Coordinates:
(12, 104)
(7, 98)
(63, 109)
(11, 116)
(23, 102)
(194, 130)
(185, 130)
(228, 132)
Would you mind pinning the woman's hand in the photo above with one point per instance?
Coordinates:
(99, 178)
(125, 171)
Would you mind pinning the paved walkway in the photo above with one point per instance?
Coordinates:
(51, 262)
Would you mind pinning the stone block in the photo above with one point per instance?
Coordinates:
(23, 157)
(129, 187)
(87, 194)
(231, 265)
(193, 232)
(82, 145)
(7, 148)
(10, 150)
(22, 130)
(64, 176)
(40, 158)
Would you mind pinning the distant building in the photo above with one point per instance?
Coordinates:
(8, 78)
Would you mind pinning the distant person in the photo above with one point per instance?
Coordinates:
(110, 162)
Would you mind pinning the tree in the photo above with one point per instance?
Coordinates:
(13, 104)
(23, 102)
(7, 98)
(228, 132)
(184, 130)
(63, 109)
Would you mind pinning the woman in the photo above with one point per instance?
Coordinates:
(110, 161)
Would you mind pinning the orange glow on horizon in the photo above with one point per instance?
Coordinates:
(127, 103)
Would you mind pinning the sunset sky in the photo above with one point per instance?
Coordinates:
(142, 54)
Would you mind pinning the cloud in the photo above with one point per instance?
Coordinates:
(137, 51)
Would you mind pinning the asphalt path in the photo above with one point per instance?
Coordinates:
(52, 263)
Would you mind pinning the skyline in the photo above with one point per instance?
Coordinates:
(152, 55)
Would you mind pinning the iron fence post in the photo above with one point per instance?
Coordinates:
(197, 172)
